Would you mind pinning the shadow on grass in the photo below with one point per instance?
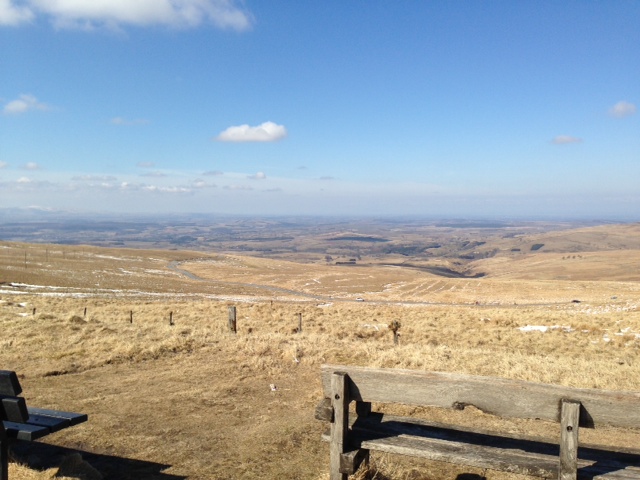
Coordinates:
(42, 456)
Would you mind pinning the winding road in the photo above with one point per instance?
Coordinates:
(175, 266)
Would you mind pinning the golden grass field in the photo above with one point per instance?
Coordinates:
(192, 400)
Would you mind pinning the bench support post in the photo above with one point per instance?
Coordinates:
(4, 457)
(340, 425)
(569, 426)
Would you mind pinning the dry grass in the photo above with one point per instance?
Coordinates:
(193, 400)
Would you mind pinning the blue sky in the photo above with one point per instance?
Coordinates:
(469, 108)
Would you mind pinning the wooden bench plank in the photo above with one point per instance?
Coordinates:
(502, 397)
(483, 449)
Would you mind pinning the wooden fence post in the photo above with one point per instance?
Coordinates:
(131, 316)
(394, 327)
(171, 318)
(232, 320)
(299, 323)
(85, 312)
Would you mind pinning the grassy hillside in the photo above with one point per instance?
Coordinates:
(192, 400)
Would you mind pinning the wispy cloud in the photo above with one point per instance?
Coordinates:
(142, 187)
(94, 178)
(266, 132)
(115, 14)
(170, 189)
(3, 165)
(153, 174)
(199, 183)
(258, 176)
(31, 166)
(24, 103)
(622, 109)
(565, 140)
(145, 164)
(128, 123)
(213, 173)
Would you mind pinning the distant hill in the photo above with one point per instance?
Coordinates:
(608, 252)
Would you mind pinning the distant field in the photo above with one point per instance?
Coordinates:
(195, 401)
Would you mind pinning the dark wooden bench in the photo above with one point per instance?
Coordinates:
(353, 435)
(19, 422)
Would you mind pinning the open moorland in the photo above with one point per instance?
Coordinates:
(138, 338)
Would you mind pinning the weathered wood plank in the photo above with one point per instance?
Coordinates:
(340, 425)
(485, 449)
(462, 453)
(324, 410)
(9, 383)
(570, 418)
(351, 461)
(502, 397)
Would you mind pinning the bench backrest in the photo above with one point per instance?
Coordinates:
(12, 407)
(498, 396)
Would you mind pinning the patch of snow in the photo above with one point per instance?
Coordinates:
(542, 328)
(533, 328)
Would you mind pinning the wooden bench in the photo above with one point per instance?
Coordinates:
(21, 423)
(353, 435)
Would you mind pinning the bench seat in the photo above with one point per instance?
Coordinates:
(20, 422)
(481, 448)
(42, 422)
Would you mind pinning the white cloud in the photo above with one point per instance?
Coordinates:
(114, 14)
(24, 180)
(12, 15)
(258, 176)
(145, 164)
(213, 173)
(565, 140)
(266, 132)
(3, 164)
(159, 189)
(622, 109)
(24, 103)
